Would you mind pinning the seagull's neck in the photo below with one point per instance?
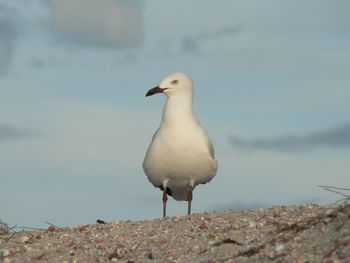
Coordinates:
(178, 109)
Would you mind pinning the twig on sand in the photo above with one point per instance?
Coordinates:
(25, 227)
(337, 191)
(7, 230)
(53, 225)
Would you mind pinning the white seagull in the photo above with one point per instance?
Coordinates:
(181, 155)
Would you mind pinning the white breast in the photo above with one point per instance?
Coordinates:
(180, 154)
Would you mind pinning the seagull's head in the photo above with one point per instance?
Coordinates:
(176, 84)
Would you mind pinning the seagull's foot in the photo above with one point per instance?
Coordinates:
(189, 200)
(165, 199)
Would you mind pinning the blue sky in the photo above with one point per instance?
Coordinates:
(272, 89)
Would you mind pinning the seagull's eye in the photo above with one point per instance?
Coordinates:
(174, 82)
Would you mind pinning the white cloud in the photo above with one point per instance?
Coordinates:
(335, 137)
(7, 42)
(191, 44)
(10, 131)
(101, 23)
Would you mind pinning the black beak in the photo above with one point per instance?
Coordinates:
(153, 91)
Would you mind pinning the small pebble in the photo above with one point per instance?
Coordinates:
(279, 247)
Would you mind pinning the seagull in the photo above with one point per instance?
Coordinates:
(181, 155)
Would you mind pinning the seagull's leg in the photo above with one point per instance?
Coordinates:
(165, 199)
(189, 199)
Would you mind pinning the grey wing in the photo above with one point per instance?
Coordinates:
(210, 146)
(211, 149)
